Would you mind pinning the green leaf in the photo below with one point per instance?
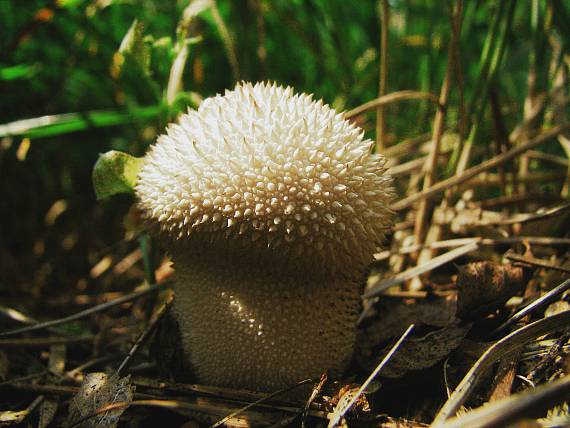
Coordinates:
(115, 172)
(134, 48)
(58, 124)
(20, 71)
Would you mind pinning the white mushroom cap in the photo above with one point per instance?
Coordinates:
(266, 169)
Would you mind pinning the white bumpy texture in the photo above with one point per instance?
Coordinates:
(277, 205)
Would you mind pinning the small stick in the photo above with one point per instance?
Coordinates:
(50, 389)
(418, 270)
(316, 391)
(76, 372)
(338, 417)
(144, 335)
(549, 297)
(406, 146)
(24, 378)
(82, 314)
(533, 261)
(44, 341)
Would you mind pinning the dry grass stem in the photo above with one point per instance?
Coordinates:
(430, 167)
(87, 312)
(389, 99)
(494, 353)
(478, 169)
(338, 416)
(375, 289)
(383, 72)
(508, 411)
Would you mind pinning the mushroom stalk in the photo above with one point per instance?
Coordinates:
(272, 205)
(258, 325)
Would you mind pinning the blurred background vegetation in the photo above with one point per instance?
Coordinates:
(81, 77)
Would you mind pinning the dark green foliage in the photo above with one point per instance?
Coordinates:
(101, 71)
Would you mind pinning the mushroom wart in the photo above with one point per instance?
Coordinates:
(272, 205)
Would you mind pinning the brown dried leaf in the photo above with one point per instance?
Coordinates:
(9, 417)
(421, 353)
(390, 317)
(359, 410)
(393, 317)
(556, 308)
(47, 410)
(98, 391)
(486, 286)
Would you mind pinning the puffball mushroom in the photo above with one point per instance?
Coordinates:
(272, 204)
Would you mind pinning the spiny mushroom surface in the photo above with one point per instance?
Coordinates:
(273, 205)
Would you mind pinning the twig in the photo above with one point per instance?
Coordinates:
(76, 374)
(338, 416)
(197, 389)
(44, 341)
(547, 298)
(261, 400)
(407, 146)
(533, 261)
(517, 199)
(505, 412)
(478, 169)
(548, 359)
(490, 179)
(494, 353)
(61, 390)
(144, 335)
(409, 167)
(390, 98)
(86, 312)
(524, 218)
(314, 394)
(379, 287)
(549, 158)
(303, 411)
(175, 404)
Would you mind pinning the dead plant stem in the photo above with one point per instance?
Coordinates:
(383, 72)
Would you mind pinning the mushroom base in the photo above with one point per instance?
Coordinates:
(250, 324)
